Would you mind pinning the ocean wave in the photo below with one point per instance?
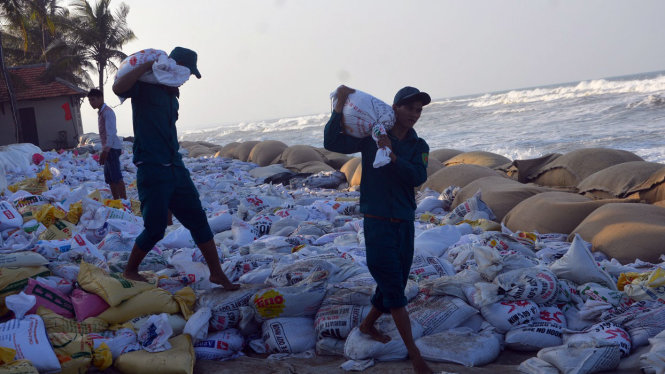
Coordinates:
(581, 89)
(649, 101)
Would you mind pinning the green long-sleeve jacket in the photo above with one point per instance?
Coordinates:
(387, 191)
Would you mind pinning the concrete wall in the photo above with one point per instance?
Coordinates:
(50, 118)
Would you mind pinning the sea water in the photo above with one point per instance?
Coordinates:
(622, 113)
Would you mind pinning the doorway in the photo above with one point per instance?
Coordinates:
(28, 126)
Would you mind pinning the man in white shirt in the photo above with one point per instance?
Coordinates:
(111, 144)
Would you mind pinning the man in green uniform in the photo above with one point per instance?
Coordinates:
(387, 200)
(163, 182)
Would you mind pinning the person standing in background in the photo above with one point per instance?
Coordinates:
(163, 182)
(111, 144)
(387, 201)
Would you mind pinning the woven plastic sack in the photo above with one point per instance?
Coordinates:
(365, 115)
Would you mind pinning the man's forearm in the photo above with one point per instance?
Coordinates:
(124, 83)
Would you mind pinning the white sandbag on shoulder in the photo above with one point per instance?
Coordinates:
(582, 358)
(545, 331)
(219, 345)
(28, 338)
(337, 321)
(505, 315)
(460, 346)
(164, 71)
(579, 266)
(438, 313)
(365, 115)
(359, 346)
(289, 335)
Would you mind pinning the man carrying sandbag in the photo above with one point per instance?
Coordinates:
(163, 181)
(387, 200)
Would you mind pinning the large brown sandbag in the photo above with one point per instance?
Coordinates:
(299, 154)
(334, 159)
(357, 176)
(457, 175)
(616, 181)
(625, 231)
(481, 158)
(245, 148)
(311, 167)
(230, 150)
(443, 154)
(571, 168)
(433, 166)
(653, 189)
(264, 153)
(528, 170)
(553, 212)
(349, 168)
(499, 193)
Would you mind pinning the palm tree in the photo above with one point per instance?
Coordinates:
(100, 34)
(30, 26)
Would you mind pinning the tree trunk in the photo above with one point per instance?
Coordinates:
(101, 67)
(10, 92)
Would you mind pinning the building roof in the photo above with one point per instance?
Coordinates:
(31, 87)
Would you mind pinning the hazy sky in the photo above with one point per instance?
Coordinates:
(265, 59)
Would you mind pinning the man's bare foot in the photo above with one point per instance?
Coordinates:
(420, 366)
(224, 282)
(135, 276)
(374, 333)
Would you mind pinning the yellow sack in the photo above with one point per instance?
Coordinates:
(96, 195)
(14, 280)
(59, 230)
(54, 322)
(114, 203)
(136, 207)
(47, 214)
(179, 359)
(628, 278)
(8, 365)
(113, 288)
(19, 367)
(484, 224)
(45, 175)
(32, 185)
(75, 212)
(153, 301)
(7, 355)
(76, 353)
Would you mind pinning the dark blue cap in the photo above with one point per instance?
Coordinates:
(186, 57)
(410, 94)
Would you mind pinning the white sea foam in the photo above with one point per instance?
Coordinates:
(626, 114)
